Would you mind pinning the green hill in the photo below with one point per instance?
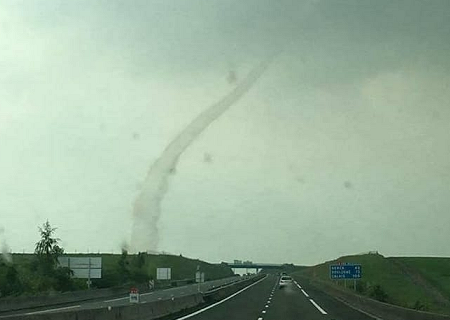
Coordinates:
(117, 270)
(419, 283)
(181, 268)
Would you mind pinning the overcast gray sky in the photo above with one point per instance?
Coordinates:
(341, 147)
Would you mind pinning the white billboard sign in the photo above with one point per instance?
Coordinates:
(163, 273)
(83, 267)
(87, 274)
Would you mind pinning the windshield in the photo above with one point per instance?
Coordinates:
(308, 138)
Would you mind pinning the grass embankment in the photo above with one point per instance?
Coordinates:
(182, 268)
(112, 275)
(418, 283)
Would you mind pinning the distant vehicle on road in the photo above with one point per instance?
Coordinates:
(284, 281)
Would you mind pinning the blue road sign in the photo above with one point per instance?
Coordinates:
(345, 271)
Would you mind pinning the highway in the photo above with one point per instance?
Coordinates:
(261, 300)
(264, 301)
(124, 300)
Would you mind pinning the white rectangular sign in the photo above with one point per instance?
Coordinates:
(134, 297)
(86, 273)
(163, 273)
(83, 267)
(81, 262)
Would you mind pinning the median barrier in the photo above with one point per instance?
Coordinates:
(27, 302)
(149, 310)
(373, 307)
(9, 304)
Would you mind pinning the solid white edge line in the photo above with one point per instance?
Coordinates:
(118, 299)
(318, 307)
(78, 306)
(50, 310)
(219, 302)
(357, 309)
(145, 294)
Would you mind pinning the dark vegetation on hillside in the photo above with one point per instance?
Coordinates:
(31, 274)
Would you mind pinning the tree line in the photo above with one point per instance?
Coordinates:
(42, 272)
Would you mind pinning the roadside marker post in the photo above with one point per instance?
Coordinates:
(199, 277)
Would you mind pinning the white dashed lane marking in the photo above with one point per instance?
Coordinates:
(268, 301)
(321, 310)
(318, 307)
(304, 292)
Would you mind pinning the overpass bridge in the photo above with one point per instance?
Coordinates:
(255, 266)
(252, 265)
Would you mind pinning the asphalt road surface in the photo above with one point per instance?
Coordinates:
(264, 301)
(124, 300)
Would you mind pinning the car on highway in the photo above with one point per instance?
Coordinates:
(284, 281)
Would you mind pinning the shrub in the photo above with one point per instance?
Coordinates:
(418, 305)
(378, 293)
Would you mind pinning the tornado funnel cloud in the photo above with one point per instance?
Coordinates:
(147, 207)
(4, 249)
